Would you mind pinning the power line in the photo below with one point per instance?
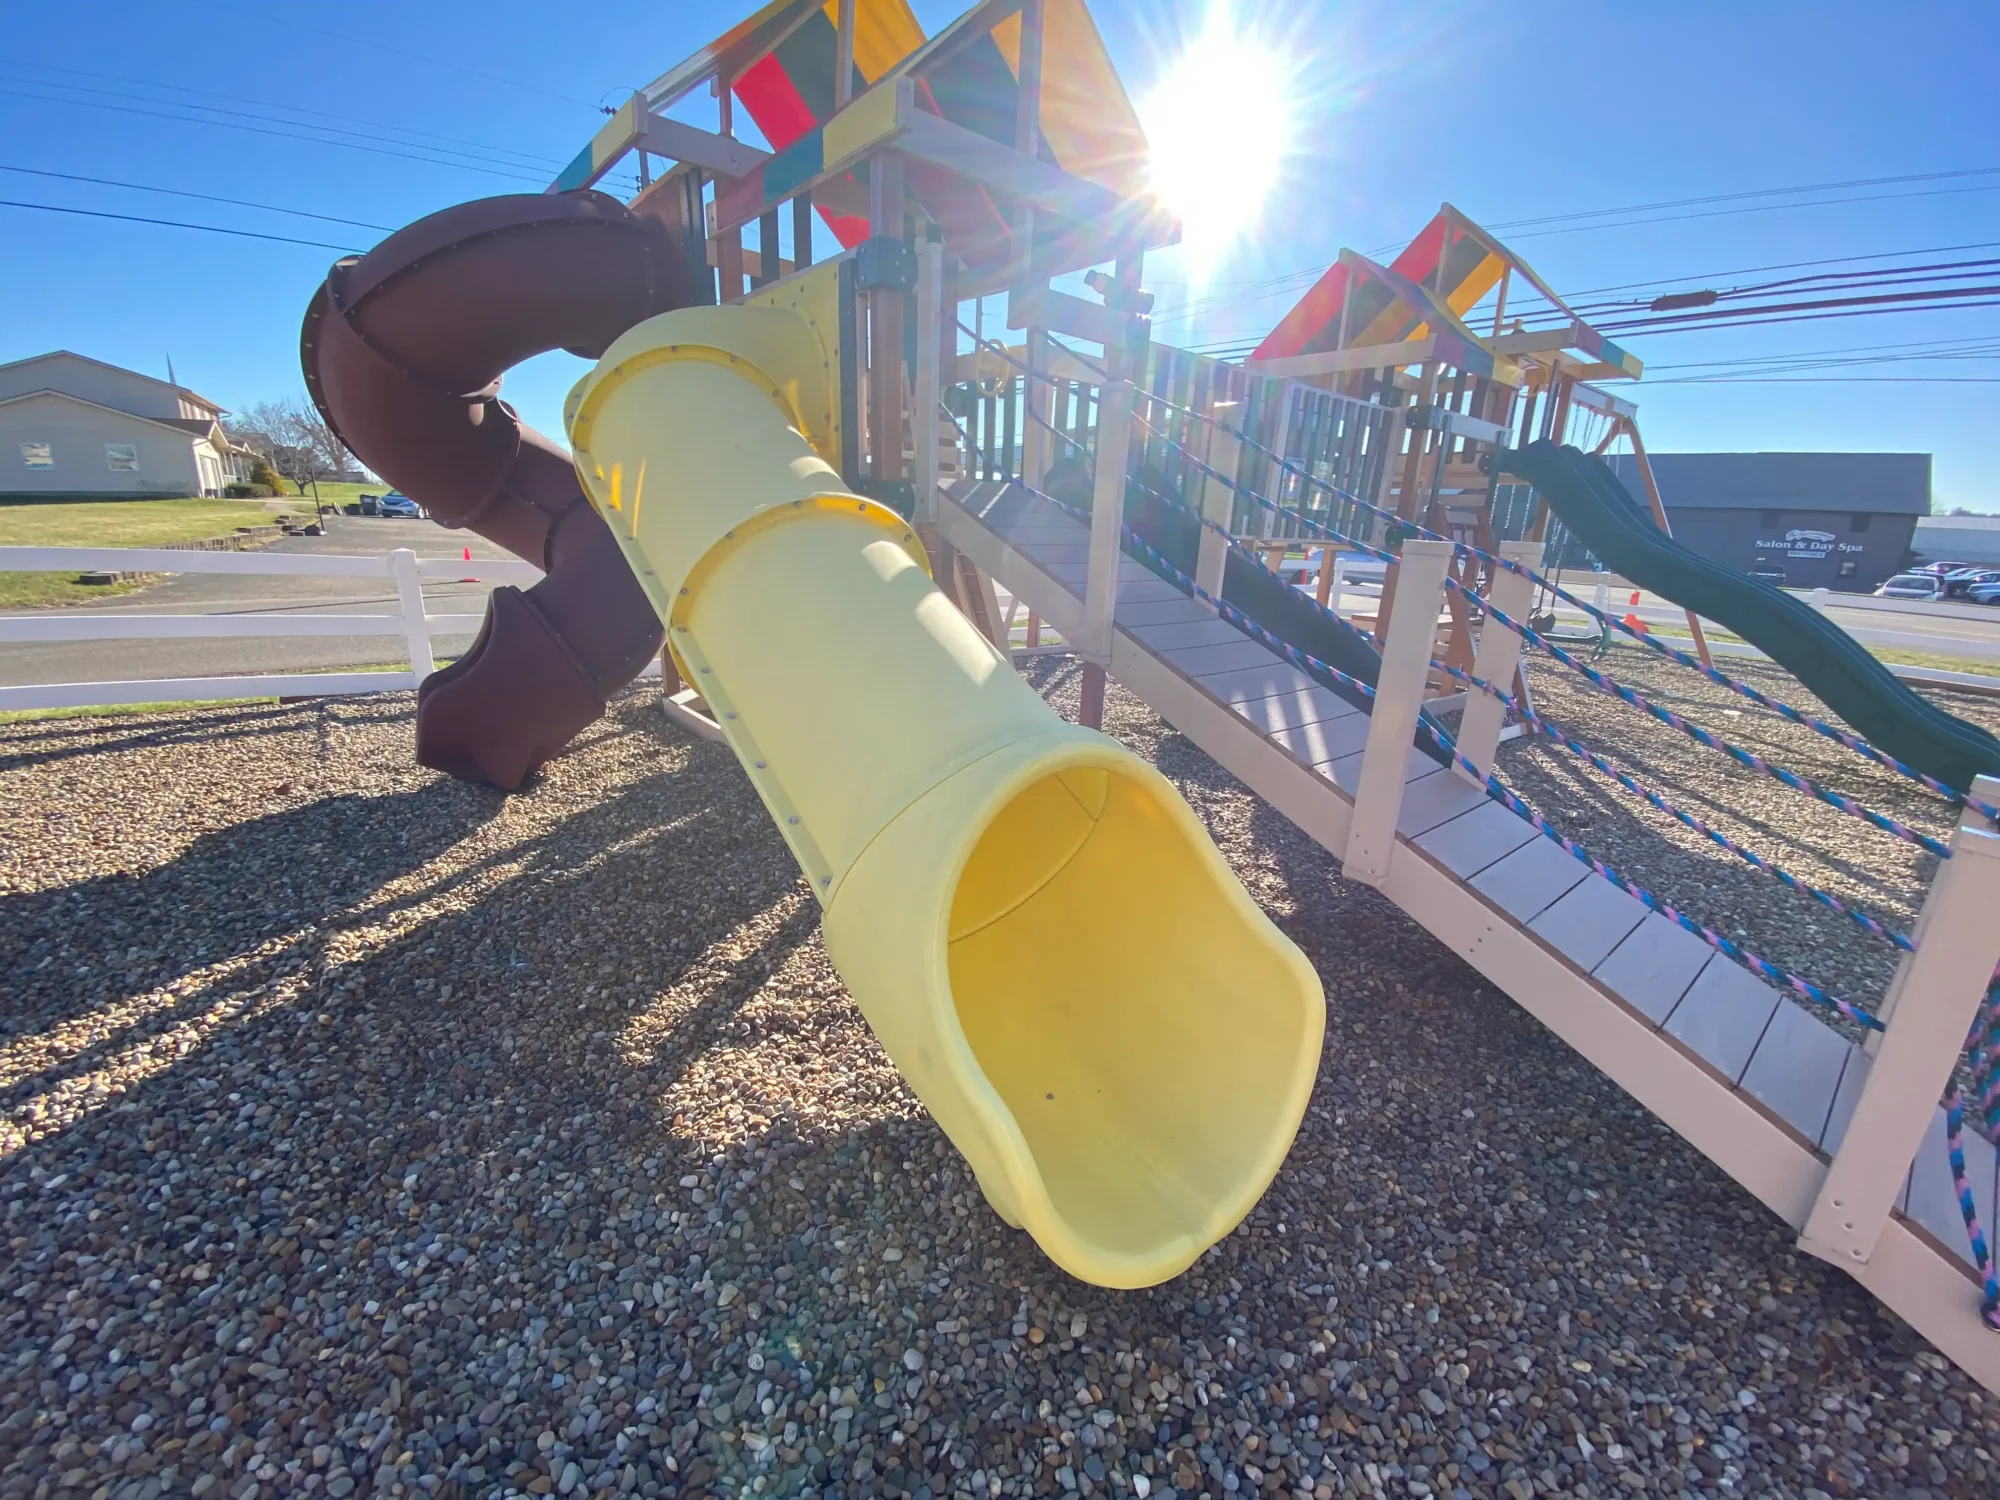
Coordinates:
(247, 234)
(1946, 295)
(144, 187)
(1790, 265)
(1924, 349)
(1273, 284)
(435, 62)
(527, 158)
(1850, 312)
(1878, 279)
(1814, 187)
(129, 109)
(444, 155)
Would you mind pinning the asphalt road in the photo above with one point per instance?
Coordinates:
(222, 593)
(1968, 632)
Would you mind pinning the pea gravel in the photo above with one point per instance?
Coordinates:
(366, 1133)
(1861, 865)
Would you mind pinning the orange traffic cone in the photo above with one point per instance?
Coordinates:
(1632, 613)
(468, 558)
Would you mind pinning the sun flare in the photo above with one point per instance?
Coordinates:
(1219, 122)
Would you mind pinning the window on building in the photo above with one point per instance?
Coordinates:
(1769, 518)
(1848, 568)
(122, 456)
(37, 456)
(1858, 522)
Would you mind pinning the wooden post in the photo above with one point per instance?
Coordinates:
(1929, 1008)
(1559, 400)
(1408, 503)
(768, 262)
(802, 229)
(729, 245)
(885, 325)
(843, 54)
(1218, 499)
(927, 390)
(1028, 130)
(1660, 520)
(1280, 436)
(1499, 655)
(1399, 696)
(1332, 581)
(1107, 522)
(1038, 412)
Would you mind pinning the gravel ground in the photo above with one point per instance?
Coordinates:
(1875, 871)
(368, 1133)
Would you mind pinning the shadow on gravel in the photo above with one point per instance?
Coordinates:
(71, 951)
(64, 739)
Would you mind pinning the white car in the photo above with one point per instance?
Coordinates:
(400, 505)
(1912, 586)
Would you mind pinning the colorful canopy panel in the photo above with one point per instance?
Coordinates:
(1087, 124)
(790, 91)
(1380, 305)
(1440, 275)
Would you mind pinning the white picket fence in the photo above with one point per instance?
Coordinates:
(411, 621)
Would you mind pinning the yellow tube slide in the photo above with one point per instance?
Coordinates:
(1033, 921)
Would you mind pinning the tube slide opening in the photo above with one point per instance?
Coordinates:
(1131, 1008)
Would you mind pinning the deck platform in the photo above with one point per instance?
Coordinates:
(1761, 1086)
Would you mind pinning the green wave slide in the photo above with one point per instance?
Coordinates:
(1587, 496)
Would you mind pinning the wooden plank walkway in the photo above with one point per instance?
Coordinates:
(1759, 1084)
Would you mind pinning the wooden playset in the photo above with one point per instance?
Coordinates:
(1387, 418)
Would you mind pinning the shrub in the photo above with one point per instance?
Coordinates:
(246, 491)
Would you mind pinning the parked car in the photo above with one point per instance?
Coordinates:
(1767, 572)
(1960, 581)
(1984, 593)
(400, 505)
(1912, 586)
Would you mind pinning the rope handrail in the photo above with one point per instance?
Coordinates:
(1968, 1210)
(1498, 791)
(1983, 1047)
(1845, 738)
(1839, 801)
(1550, 730)
(1495, 789)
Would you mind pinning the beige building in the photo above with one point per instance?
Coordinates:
(76, 426)
(1972, 540)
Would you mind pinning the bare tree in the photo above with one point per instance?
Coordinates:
(294, 439)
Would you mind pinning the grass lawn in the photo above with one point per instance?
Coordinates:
(117, 523)
(337, 494)
(1893, 655)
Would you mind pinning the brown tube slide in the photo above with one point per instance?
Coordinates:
(403, 350)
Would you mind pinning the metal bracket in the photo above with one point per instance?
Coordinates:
(883, 264)
(900, 495)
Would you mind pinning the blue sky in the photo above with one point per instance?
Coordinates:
(1510, 112)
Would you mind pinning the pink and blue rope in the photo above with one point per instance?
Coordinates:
(1843, 737)
(1606, 684)
(1545, 727)
(1840, 736)
(1955, 1109)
